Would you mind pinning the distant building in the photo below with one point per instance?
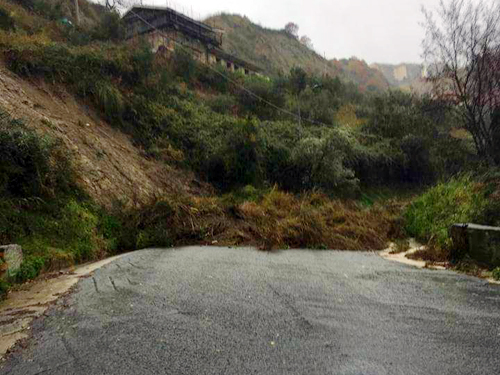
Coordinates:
(167, 29)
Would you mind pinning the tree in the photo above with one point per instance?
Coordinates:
(292, 29)
(462, 49)
(305, 40)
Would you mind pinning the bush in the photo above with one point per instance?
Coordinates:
(496, 274)
(223, 104)
(110, 100)
(430, 216)
(30, 268)
(319, 162)
(185, 66)
(251, 105)
(110, 27)
(32, 165)
(51, 10)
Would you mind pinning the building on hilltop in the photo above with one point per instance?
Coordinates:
(167, 29)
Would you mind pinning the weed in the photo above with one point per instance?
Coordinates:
(30, 268)
(430, 216)
(496, 274)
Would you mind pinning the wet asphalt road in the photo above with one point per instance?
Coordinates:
(240, 311)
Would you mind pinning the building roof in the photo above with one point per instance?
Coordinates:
(142, 19)
(131, 13)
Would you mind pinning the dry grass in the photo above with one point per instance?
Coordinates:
(282, 220)
(277, 221)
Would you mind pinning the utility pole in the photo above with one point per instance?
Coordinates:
(77, 11)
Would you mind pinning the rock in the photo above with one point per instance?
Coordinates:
(12, 257)
(480, 242)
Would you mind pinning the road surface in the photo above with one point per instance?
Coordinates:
(240, 311)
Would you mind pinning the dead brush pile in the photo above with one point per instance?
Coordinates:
(282, 220)
(278, 220)
(173, 220)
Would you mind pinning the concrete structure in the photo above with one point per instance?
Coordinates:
(167, 30)
(480, 242)
(11, 257)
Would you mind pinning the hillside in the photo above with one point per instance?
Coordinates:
(106, 146)
(109, 167)
(275, 51)
(405, 76)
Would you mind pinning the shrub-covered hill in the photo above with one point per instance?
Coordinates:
(159, 150)
(276, 51)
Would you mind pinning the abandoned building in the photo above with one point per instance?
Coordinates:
(166, 29)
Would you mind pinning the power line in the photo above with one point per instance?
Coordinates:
(229, 79)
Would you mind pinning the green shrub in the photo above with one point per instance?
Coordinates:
(110, 100)
(265, 89)
(32, 165)
(185, 66)
(319, 162)
(223, 104)
(110, 27)
(30, 268)
(51, 10)
(430, 216)
(496, 274)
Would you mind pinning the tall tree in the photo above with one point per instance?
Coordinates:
(462, 49)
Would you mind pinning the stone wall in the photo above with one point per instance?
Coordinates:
(480, 242)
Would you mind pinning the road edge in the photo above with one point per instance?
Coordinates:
(21, 307)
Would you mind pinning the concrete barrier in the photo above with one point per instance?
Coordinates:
(480, 242)
(11, 257)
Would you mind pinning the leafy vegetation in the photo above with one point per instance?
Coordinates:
(460, 200)
(294, 157)
(496, 274)
(41, 207)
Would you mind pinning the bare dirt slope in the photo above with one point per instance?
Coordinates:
(108, 165)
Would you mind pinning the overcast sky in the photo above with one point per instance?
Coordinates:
(374, 30)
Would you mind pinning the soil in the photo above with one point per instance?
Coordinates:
(108, 165)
